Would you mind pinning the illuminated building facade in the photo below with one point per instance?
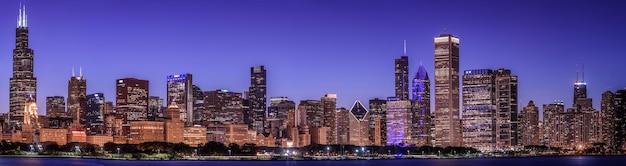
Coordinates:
(377, 122)
(22, 84)
(155, 108)
(146, 131)
(329, 107)
(180, 89)
(258, 97)
(402, 77)
(420, 112)
(506, 109)
(223, 106)
(76, 99)
(447, 120)
(198, 104)
(174, 126)
(398, 121)
(343, 126)
(479, 109)
(529, 125)
(358, 125)
(94, 113)
(131, 100)
(55, 106)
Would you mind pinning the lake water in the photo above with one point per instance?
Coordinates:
(533, 161)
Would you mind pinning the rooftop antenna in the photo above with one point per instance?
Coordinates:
(19, 17)
(73, 75)
(404, 47)
(583, 69)
(25, 16)
(80, 70)
(576, 73)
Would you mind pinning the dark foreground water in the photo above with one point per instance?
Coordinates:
(534, 161)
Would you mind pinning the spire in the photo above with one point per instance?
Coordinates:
(22, 17)
(583, 70)
(19, 16)
(73, 75)
(404, 48)
(80, 71)
(576, 73)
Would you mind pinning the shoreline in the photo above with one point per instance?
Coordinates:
(249, 158)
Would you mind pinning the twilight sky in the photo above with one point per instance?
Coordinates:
(313, 47)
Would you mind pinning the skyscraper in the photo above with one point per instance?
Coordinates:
(179, 88)
(607, 108)
(258, 97)
(329, 106)
(378, 122)
(198, 104)
(23, 84)
(76, 98)
(343, 126)
(530, 125)
(506, 111)
(420, 125)
(402, 76)
(447, 120)
(358, 130)
(398, 121)
(580, 90)
(620, 119)
(94, 113)
(479, 107)
(131, 100)
(312, 112)
(551, 123)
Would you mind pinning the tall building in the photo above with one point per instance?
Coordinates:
(551, 123)
(402, 77)
(198, 104)
(377, 122)
(174, 126)
(358, 130)
(276, 111)
(620, 119)
(398, 121)
(343, 126)
(222, 107)
(23, 84)
(506, 108)
(131, 99)
(179, 89)
(155, 108)
(329, 106)
(420, 118)
(529, 125)
(479, 107)
(580, 90)
(607, 108)
(55, 106)
(94, 114)
(258, 97)
(447, 120)
(76, 98)
(312, 111)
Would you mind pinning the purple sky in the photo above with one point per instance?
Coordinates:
(312, 47)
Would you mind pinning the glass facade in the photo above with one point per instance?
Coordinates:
(420, 114)
(94, 114)
(179, 88)
(479, 109)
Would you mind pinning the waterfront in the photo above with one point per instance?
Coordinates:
(529, 161)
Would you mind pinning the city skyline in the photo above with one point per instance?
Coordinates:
(52, 70)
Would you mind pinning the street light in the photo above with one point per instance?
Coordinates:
(328, 151)
(229, 152)
(118, 152)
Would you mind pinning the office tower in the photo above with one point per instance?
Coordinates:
(198, 104)
(76, 97)
(447, 120)
(530, 125)
(274, 111)
(258, 97)
(222, 107)
(402, 77)
(398, 121)
(343, 126)
(580, 91)
(23, 84)
(478, 109)
(179, 89)
(506, 108)
(551, 122)
(358, 121)
(377, 122)
(620, 119)
(607, 108)
(312, 111)
(55, 106)
(94, 116)
(155, 108)
(420, 118)
(109, 108)
(329, 106)
(132, 99)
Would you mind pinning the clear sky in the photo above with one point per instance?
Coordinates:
(313, 47)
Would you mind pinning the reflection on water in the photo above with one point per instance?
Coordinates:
(532, 161)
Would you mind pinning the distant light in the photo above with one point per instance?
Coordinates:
(120, 81)
(224, 90)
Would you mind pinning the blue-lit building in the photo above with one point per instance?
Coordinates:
(398, 121)
(420, 112)
(94, 109)
(180, 89)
